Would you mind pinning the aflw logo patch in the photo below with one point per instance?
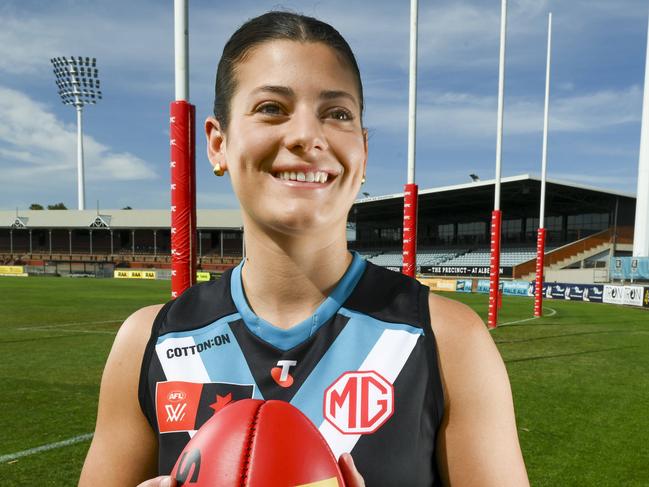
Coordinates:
(359, 402)
(175, 413)
(185, 406)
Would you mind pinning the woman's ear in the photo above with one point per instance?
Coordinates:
(215, 143)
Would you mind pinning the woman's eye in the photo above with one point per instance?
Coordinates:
(342, 115)
(270, 109)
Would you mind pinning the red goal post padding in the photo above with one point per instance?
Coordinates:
(183, 196)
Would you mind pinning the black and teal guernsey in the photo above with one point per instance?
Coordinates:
(363, 368)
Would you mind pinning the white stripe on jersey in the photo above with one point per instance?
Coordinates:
(387, 357)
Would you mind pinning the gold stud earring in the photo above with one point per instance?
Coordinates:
(217, 170)
(363, 181)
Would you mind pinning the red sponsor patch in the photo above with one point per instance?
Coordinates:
(186, 406)
(177, 405)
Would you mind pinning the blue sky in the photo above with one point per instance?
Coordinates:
(596, 106)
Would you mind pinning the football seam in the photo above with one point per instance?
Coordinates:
(252, 430)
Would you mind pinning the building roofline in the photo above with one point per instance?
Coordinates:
(491, 182)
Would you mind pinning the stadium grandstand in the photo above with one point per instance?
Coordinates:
(97, 242)
(586, 226)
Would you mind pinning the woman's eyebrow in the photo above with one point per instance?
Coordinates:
(332, 94)
(279, 90)
(288, 92)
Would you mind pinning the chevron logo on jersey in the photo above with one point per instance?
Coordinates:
(186, 406)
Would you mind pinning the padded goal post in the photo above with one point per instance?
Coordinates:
(410, 229)
(182, 132)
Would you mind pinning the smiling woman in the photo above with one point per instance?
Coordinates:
(297, 112)
(409, 383)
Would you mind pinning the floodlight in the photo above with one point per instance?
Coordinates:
(77, 80)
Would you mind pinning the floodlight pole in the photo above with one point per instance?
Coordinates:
(78, 83)
(81, 192)
(496, 216)
(410, 189)
(540, 239)
(182, 133)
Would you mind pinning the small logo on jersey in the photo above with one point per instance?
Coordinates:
(281, 373)
(175, 413)
(221, 402)
(186, 406)
(359, 402)
(175, 396)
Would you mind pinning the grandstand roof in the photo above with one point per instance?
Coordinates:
(519, 199)
(115, 219)
(491, 182)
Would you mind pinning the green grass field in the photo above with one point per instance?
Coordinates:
(580, 378)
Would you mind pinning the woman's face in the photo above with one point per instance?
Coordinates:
(294, 147)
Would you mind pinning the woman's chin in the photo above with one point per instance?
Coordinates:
(299, 223)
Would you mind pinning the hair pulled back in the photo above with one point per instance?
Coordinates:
(274, 25)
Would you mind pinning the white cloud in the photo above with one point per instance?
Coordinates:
(34, 145)
(468, 115)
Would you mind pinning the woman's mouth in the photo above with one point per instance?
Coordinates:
(308, 177)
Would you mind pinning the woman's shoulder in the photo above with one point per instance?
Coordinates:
(136, 329)
(451, 319)
(466, 349)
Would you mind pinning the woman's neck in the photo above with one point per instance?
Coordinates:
(285, 279)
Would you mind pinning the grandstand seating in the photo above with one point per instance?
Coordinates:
(509, 257)
(424, 257)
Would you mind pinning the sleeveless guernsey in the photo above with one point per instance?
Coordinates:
(363, 368)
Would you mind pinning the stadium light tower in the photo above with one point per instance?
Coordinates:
(78, 82)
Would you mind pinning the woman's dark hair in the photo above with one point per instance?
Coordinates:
(272, 26)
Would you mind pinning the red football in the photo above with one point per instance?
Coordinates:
(257, 443)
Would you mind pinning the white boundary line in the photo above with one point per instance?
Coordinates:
(74, 331)
(51, 446)
(554, 312)
(61, 325)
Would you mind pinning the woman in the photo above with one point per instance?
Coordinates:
(408, 382)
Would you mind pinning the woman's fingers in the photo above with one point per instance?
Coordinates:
(350, 474)
(162, 481)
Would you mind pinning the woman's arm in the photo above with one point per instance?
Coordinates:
(477, 443)
(124, 447)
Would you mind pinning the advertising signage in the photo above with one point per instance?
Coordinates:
(464, 271)
(593, 293)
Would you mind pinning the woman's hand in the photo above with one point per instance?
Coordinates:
(162, 481)
(350, 474)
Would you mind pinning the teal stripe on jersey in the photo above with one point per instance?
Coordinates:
(224, 363)
(347, 353)
(285, 339)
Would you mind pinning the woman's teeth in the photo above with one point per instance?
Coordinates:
(309, 177)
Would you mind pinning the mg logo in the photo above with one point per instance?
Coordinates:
(359, 402)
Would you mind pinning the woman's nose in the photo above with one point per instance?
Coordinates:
(305, 132)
